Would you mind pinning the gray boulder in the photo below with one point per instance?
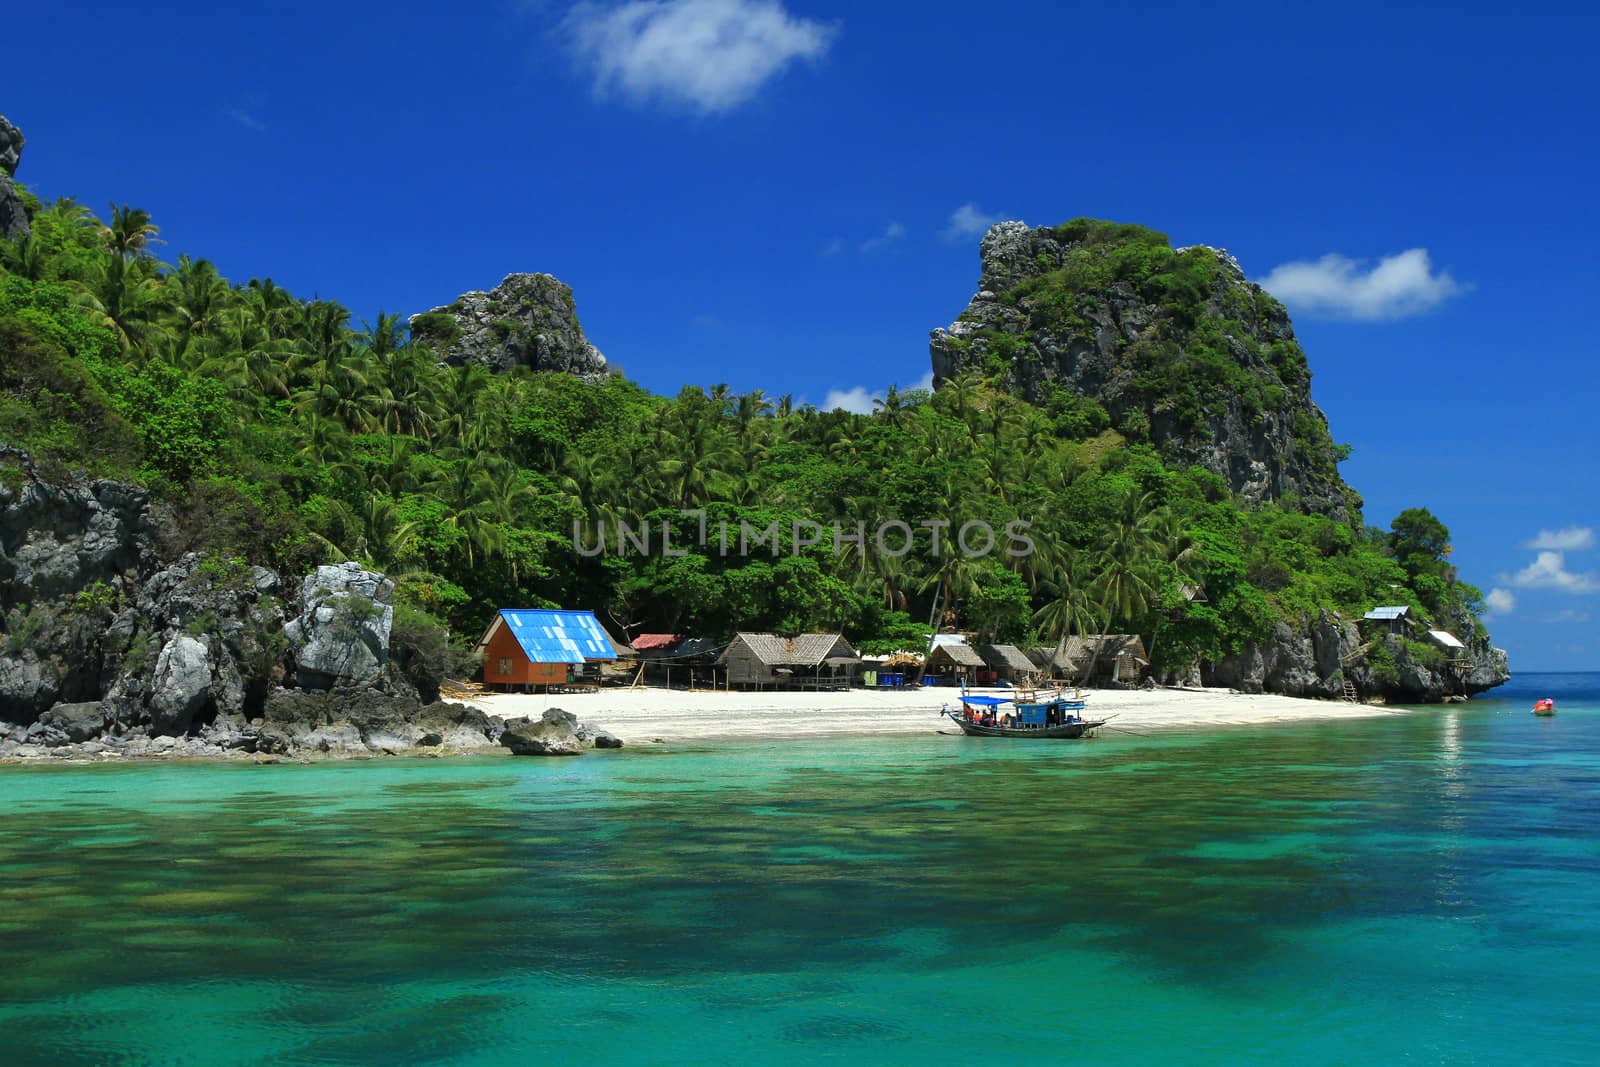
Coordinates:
(553, 734)
(181, 687)
(79, 722)
(340, 638)
(528, 320)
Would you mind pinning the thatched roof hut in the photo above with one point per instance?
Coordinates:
(805, 659)
(1119, 659)
(1008, 662)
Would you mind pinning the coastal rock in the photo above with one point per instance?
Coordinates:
(1055, 310)
(13, 216)
(528, 320)
(340, 638)
(1316, 657)
(366, 721)
(79, 722)
(181, 684)
(553, 734)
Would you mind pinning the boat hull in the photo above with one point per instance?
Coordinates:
(1062, 730)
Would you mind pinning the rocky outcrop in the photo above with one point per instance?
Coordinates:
(1179, 348)
(340, 638)
(528, 320)
(555, 733)
(13, 218)
(357, 721)
(1318, 656)
(106, 649)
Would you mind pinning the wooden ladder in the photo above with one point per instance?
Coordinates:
(1351, 696)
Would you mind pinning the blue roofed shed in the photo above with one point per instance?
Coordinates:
(536, 646)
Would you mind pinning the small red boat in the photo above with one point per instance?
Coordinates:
(1545, 707)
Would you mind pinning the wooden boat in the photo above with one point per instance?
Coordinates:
(980, 716)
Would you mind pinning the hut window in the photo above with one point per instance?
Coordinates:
(505, 664)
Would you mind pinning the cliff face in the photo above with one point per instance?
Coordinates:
(528, 320)
(1316, 658)
(1177, 346)
(13, 220)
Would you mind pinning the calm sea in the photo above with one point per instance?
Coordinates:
(1420, 888)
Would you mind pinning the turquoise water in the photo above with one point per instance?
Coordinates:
(1414, 888)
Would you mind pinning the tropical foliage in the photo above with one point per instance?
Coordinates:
(288, 432)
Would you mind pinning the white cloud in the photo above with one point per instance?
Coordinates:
(710, 54)
(1549, 571)
(1566, 539)
(968, 221)
(891, 233)
(1501, 601)
(833, 247)
(1400, 285)
(857, 400)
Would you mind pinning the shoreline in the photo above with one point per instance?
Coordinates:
(643, 716)
(651, 717)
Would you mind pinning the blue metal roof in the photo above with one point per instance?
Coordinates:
(1388, 613)
(558, 636)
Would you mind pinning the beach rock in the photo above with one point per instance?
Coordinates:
(79, 722)
(13, 215)
(528, 320)
(181, 685)
(553, 734)
(604, 739)
(1050, 311)
(340, 638)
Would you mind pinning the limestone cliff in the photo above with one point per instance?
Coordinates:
(528, 320)
(1178, 347)
(13, 219)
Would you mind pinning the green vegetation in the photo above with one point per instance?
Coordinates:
(280, 432)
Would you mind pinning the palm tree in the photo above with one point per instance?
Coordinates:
(131, 232)
(1072, 606)
(126, 300)
(25, 257)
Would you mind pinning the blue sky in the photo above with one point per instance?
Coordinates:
(788, 196)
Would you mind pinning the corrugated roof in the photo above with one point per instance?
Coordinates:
(1446, 638)
(1006, 657)
(802, 650)
(547, 636)
(645, 642)
(1388, 614)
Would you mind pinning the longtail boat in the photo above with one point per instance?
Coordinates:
(1058, 717)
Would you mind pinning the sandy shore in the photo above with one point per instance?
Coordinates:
(644, 715)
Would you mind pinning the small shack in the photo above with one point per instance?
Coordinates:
(1396, 618)
(671, 659)
(803, 661)
(1448, 643)
(543, 648)
(1007, 663)
(1120, 660)
(952, 661)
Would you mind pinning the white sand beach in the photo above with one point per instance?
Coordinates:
(643, 715)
